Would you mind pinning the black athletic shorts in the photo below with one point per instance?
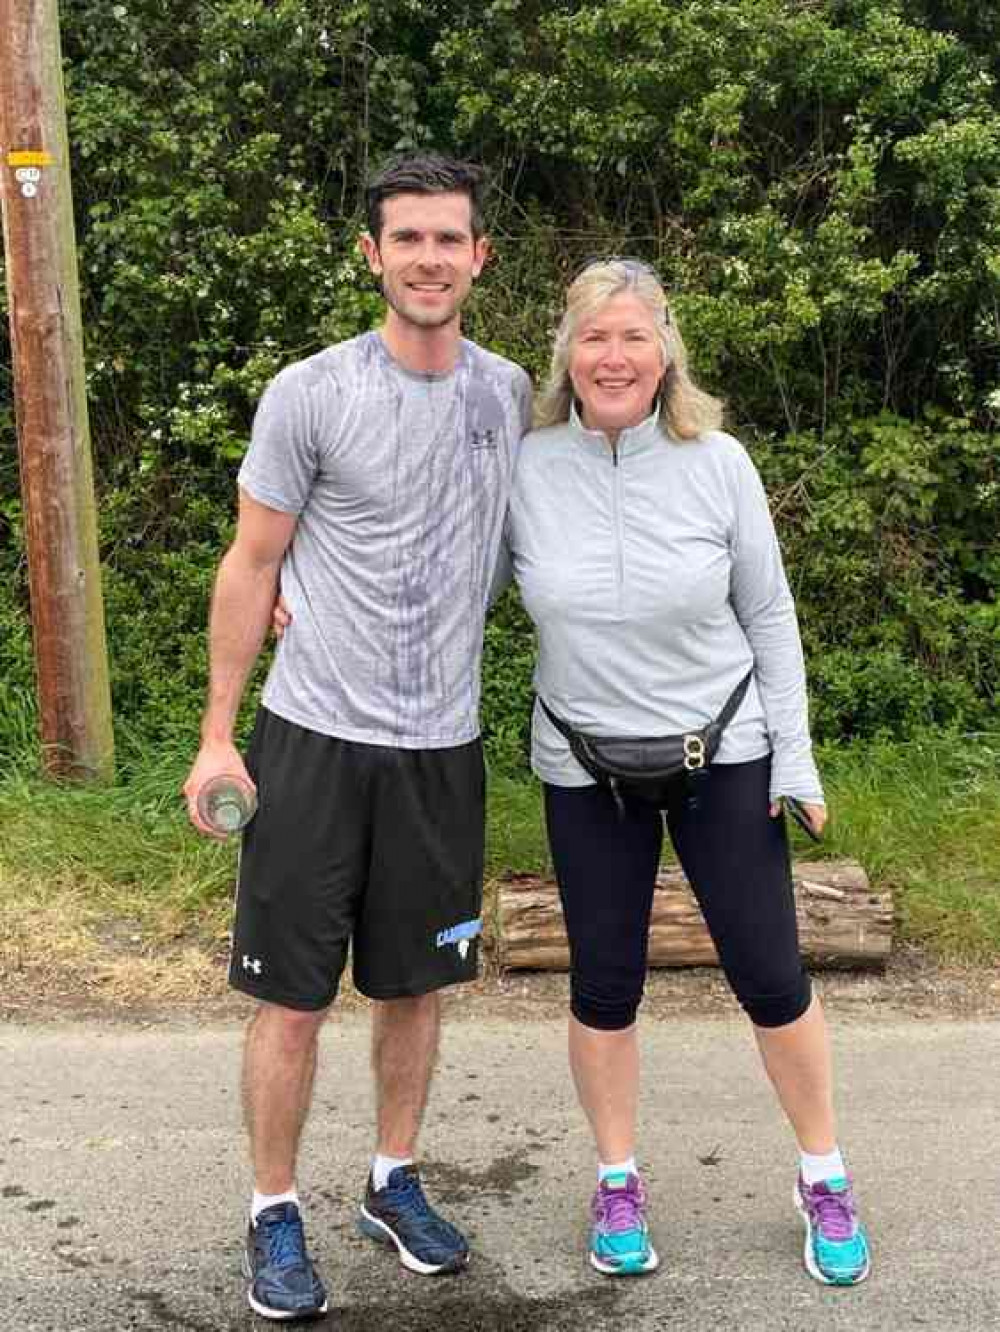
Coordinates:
(363, 845)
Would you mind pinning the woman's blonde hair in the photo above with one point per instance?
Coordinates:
(686, 411)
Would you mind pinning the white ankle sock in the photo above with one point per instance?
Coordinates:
(262, 1200)
(619, 1168)
(383, 1166)
(830, 1165)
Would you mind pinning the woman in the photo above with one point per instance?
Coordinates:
(641, 540)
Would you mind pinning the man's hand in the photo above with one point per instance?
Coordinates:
(281, 617)
(216, 758)
(816, 814)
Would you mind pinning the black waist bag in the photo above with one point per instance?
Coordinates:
(652, 770)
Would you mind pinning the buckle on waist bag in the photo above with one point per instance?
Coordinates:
(694, 753)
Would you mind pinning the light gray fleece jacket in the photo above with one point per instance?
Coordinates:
(653, 575)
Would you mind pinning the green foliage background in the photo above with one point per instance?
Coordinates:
(817, 180)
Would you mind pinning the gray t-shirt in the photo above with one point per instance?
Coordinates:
(400, 482)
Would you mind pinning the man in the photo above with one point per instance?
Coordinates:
(374, 490)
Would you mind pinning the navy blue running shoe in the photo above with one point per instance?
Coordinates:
(399, 1214)
(283, 1281)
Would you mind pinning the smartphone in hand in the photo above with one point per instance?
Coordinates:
(794, 808)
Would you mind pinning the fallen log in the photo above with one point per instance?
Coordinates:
(842, 921)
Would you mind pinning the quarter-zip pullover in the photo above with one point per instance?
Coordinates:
(653, 575)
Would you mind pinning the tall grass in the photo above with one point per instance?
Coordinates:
(922, 817)
(18, 729)
(127, 844)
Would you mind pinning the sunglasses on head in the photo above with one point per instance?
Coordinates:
(633, 266)
(627, 261)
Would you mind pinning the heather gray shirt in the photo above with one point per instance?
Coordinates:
(654, 579)
(400, 482)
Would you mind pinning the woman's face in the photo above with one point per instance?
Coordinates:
(616, 364)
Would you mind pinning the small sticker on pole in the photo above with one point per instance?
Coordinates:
(27, 164)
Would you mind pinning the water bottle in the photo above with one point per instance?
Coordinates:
(226, 804)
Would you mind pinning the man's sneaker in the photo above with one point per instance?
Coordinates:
(399, 1214)
(836, 1251)
(619, 1236)
(283, 1281)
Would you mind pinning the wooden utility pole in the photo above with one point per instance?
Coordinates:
(50, 395)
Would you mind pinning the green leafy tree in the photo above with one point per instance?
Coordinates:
(819, 185)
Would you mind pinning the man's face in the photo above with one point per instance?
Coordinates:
(426, 256)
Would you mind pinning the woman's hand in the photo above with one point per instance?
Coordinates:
(816, 814)
(281, 616)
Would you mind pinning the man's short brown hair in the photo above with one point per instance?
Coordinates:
(425, 173)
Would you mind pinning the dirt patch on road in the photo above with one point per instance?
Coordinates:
(62, 952)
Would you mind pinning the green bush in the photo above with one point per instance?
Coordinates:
(819, 185)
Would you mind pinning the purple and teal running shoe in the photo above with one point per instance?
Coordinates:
(836, 1251)
(619, 1236)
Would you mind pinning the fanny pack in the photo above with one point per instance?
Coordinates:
(651, 769)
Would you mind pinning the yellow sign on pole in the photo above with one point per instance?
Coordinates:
(29, 157)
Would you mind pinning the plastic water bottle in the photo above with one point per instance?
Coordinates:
(226, 804)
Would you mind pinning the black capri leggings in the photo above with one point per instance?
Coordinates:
(735, 857)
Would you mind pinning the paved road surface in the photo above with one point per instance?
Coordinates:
(122, 1182)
